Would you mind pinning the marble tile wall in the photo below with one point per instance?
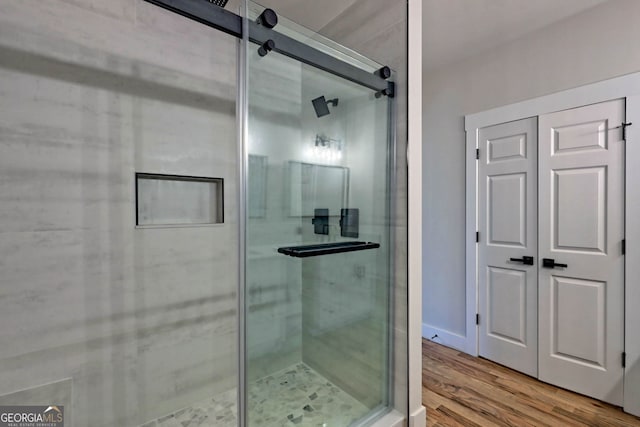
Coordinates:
(274, 281)
(283, 301)
(346, 296)
(378, 30)
(143, 321)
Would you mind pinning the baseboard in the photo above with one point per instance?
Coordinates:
(441, 336)
(418, 418)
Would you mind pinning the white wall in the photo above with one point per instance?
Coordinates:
(597, 44)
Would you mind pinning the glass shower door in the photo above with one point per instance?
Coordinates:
(318, 255)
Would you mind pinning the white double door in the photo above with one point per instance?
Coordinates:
(551, 265)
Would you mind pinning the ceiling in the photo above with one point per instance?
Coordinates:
(452, 29)
(312, 14)
(456, 29)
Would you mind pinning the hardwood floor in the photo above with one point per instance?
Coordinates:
(461, 390)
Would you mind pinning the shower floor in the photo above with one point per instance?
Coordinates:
(299, 396)
(293, 397)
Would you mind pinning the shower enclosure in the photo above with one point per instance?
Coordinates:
(198, 205)
(318, 244)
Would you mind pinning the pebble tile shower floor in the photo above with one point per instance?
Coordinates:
(294, 397)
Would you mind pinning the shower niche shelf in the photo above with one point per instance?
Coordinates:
(306, 251)
(177, 200)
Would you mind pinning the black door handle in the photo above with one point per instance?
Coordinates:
(526, 260)
(551, 263)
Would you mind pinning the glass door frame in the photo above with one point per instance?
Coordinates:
(390, 207)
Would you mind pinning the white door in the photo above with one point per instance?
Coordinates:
(581, 188)
(507, 210)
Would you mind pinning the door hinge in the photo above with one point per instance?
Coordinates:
(477, 318)
(624, 130)
(477, 154)
(624, 359)
(477, 236)
(624, 246)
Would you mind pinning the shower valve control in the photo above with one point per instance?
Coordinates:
(320, 221)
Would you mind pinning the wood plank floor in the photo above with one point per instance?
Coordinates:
(461, 390)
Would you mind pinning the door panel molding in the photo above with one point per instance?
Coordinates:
(507, 148)
(574, 139)
(512, 230)
(579, 227)
(511, 326)
(571, 343)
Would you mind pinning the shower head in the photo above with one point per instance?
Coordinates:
(221, 3)
(321, 105)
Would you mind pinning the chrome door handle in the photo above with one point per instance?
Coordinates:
(551, 263)
(526, 260)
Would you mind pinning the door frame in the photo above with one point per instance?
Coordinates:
(628, 87)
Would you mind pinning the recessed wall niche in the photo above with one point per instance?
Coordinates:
(166, 200)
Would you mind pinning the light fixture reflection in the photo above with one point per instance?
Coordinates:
(327, 149)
